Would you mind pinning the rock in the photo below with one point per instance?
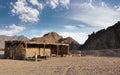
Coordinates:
(74, 45)
(104, 39)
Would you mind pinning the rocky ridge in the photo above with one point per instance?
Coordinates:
(104, 39)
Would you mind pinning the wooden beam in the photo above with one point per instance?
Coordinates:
(68, 50)
(57, 49)
(44, 48)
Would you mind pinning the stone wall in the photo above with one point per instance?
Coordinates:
(109, 53)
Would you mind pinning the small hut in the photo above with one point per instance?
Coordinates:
(24, 49)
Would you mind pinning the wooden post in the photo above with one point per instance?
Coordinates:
(25, 45)
(39, 50)
(25, 49)
(44, 48)
(35, 56)
(68, 50)
(57, 49)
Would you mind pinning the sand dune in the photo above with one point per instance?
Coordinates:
(62, 66)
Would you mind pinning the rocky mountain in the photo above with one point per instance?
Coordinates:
(53, 37)
(74, 45)
(104, 39)
(4, 38)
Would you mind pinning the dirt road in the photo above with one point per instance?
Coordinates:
(62, 66)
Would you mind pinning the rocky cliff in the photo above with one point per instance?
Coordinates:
(104, 39)
(53, 37)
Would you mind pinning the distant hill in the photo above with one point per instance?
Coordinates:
(74, 45)
(4, 38)
(104, 39)
(53, 37)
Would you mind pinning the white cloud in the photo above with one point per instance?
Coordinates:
(55, 3)
(38, 4)
(65, 3)
(95, 15)
(80, 37)
(103, 4)
(11, 30)
(70, 27)
(117, 8)
(25, 12)
(30, 10)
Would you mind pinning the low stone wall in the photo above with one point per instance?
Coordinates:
(75, 53)
(106, 52)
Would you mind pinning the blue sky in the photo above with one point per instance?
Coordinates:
(74, 18)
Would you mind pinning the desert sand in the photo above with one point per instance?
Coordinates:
(62, 66)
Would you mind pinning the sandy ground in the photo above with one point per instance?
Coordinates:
(62, 66)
